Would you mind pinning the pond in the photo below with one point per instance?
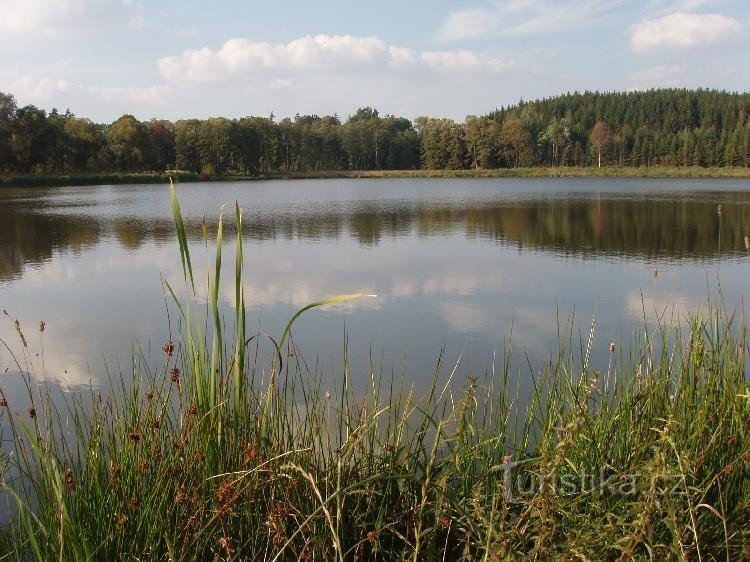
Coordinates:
(468, 266)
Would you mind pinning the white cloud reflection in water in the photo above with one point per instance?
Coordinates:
(465, 263)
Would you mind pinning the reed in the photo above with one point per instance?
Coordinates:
(227, 452)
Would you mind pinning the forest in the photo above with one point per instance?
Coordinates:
(667, 127)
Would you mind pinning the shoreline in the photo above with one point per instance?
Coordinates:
(536, 172)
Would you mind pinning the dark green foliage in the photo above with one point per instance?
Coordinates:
(671, 128)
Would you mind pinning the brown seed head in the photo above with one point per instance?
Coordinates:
(250, 453)
(70, 482)
(3, 403)
(372, 536)
(225, 543)
(41, 326)
(193, 410)
(20, 333)
(225, 494)
(114, 471)
(134, 438)
(32, 413)
(149, 396)
(168, 348)
(174, 375)
(156, 424)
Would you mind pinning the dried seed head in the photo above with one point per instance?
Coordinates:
(144, 467)
(372, 536)
(444, 521)
(134, 438)
(720, 209)
(328, 394)
(3, 403)
(149, 396)
(226, 494)
(41, 326)
(134, 504)
(249, 454)
(168, 348)
(174, 375)
(179, 497)
(32, 413)
(193, 410)
(225, 543)
(70, 482)
(156, 424)
(20, 333)
(612, 347)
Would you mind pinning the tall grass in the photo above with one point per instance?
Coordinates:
(228, 452)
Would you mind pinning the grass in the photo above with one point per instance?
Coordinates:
(94, 179)
(227, 452)
(535, 172)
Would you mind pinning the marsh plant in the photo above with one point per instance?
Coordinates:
(235, 448)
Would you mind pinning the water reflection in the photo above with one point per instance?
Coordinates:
(460, 264)
(655, 226)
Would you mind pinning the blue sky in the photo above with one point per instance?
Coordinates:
(164, 58)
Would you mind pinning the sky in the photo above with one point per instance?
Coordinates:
(180, 59)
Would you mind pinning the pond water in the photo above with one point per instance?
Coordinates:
(459, 264)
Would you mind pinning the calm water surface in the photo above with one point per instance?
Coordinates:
(459, 264)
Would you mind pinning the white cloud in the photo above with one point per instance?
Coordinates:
(681, 31)
(524, 17)
(663, 76)
(334, 54)
(240, 56)
(462, 60)
(42, 90)
(51, 18)
(467, 24)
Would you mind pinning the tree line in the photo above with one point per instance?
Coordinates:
(671, 127)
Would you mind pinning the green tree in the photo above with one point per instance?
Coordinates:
(161, 146)
(8, 109)
(482, 141)
(187, 134)
(85, 141)
(516, 143)
(443, 143)
(127, 144)
(32, 138)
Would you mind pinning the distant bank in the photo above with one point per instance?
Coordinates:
(535, 172)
